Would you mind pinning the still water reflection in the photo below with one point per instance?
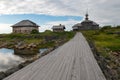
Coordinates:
(10, 58)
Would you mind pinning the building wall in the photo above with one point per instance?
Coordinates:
(24, 29)
(87, 27)
(96, 27)
(75, 30)
(58, 30)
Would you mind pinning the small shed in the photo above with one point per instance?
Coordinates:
(25, 26)
(58, 28)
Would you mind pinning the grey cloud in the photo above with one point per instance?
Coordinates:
(102, 11)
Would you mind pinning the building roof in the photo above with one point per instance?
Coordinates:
(85, 21)
(58, 27)
(94, 23)
(75, 27)
(25, 23)
(78, 24)
(89, 21)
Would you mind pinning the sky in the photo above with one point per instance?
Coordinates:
(47, 13)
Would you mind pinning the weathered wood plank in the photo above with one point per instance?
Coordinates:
(72, 61)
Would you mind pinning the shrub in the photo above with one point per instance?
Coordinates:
(34, 31)
(106, 27)
(118, 26)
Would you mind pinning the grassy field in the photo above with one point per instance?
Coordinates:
(43, 40)
(105, 41)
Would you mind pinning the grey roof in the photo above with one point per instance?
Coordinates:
(87, 21)
(25, 23)
(58, 27)
(75, 27)
(94, 23)
(78, 24)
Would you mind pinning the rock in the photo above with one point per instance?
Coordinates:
(2, 75)
(32, 45)
(4, 45)
(117, 32)
(12, 70)
(28, 47)
(20, 43)
(115, 53)
(24, 64)
(20, 46)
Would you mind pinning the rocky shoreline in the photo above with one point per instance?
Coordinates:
(20, 45)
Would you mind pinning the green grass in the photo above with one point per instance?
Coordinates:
(28, 41)
(44, 39)
(47, 45)
(104, 39)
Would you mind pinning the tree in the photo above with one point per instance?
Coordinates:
(106, 27)
(34, 31)
(118, 26)
(48, 31)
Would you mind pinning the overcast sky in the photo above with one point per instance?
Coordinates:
(49, 12)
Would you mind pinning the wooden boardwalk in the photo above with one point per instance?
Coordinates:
(72, 61)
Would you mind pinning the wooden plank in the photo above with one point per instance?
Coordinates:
(72, 61)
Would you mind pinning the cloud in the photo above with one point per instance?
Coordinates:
(5, 28)
(8, 60)
(68, 24)
(49, 7)
(45, 27)
(102, 11)
(105, 11)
